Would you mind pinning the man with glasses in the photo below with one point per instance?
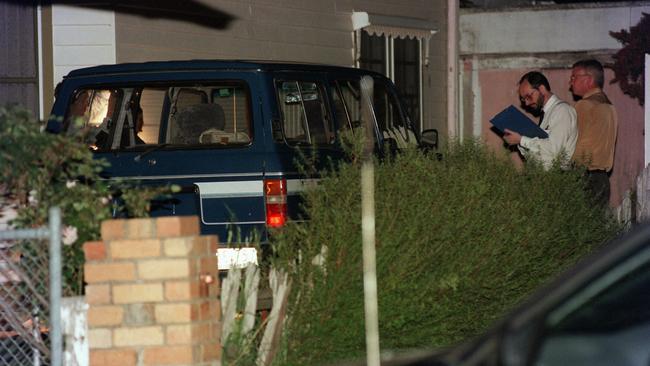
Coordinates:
(556, 117)
(597, 124)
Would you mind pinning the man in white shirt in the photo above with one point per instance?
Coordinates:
(556, 117)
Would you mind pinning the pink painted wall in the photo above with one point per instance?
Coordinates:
(499, 89)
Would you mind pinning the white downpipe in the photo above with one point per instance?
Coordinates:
(646, 109)
(420, 84)
(461, 102)
(477, 102)
(452, 68)
(390, 56)
(39, 37)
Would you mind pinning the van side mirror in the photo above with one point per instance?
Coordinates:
(429, 139)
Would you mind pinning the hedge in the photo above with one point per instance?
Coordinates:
(460, 240)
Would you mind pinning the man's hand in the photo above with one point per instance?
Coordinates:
(511, 137)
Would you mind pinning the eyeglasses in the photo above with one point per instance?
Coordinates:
(574, 77)
(528, 97)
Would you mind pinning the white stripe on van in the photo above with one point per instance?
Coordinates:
(255, 188)
(250, 188)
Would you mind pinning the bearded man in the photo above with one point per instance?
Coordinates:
(556, 117)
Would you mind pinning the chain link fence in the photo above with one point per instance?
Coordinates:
(24, 303)
(30, 294)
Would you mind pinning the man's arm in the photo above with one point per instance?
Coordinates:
(562, 135)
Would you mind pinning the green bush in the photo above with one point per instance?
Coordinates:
(41, 170)
(459, 242)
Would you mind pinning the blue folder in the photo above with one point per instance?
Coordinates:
(514, 120)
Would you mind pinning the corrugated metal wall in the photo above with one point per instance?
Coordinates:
(18, 55)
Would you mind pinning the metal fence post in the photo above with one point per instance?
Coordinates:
(56, 340)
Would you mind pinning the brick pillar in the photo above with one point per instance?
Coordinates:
(153, 294)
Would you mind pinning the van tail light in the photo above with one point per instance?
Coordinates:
(275, 196)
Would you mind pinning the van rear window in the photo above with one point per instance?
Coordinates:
(118, 118)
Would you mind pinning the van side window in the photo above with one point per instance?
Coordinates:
(209, 115)
(122, 118)
(304, 116)
(151, 103)
(346, 97)
(93, 111)
(390, 120)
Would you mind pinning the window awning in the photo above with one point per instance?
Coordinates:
(397, 27)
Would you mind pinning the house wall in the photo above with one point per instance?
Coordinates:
(498, 47)
(274, 30)
(18, 56)
(533, 31)
(81, 37)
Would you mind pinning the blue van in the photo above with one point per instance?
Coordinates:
(229, 133)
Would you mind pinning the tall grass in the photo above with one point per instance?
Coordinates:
(459, 241)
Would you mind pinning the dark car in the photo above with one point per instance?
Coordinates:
(596, 314)
(231, 134)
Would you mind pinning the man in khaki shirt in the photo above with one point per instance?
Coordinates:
(597, 124)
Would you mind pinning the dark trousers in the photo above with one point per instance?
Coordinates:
(598, 185)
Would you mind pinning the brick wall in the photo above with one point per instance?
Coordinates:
(153, 294)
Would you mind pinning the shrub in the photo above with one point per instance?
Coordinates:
(459, 242)
(41, 170)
